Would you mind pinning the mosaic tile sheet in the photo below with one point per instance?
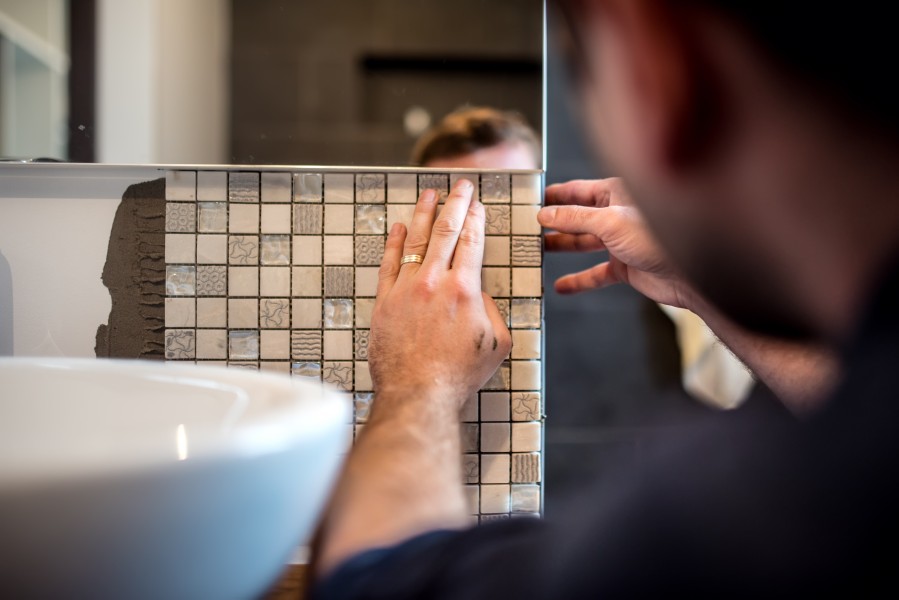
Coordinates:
(277, 270)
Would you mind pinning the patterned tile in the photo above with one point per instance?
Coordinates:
(274, 313)
(338, 374)
(471, 468)
(338, 281)
(526, 406)
(526, 467)
(212, 280)
(527, 251)
(370, 188)
(307, 218)
(361, 344)
(306, 345)
(243, 250)
(180, 216)
(278, 271)
(498, 220)
(369, 249)
(243, 187)
(180, 344)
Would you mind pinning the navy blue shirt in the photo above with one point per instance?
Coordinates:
(739, 507)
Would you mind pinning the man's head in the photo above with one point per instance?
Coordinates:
(759, 152)
(480, 138)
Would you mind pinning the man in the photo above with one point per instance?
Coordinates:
(479, 137)
(763, 161)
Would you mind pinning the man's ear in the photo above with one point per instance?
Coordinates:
(671, 79)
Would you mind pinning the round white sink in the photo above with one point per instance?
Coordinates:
(134, 479)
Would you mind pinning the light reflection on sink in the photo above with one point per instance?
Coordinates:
(123, 479)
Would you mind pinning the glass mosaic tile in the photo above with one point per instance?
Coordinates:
(277, 271)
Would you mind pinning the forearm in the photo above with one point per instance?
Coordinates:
(402, 478)
(800, 374)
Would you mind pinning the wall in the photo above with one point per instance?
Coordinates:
(305, 89)
(162, 81)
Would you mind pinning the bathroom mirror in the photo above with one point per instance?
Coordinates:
(256, 81)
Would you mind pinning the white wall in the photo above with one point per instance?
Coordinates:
(162, 78)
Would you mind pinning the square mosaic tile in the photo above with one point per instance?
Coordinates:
(278, 270)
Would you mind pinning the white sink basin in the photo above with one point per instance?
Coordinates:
(122, 479)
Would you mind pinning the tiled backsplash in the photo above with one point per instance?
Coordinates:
(278, 270)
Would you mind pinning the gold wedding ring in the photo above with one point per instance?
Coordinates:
(412, 258)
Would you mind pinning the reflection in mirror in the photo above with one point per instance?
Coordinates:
(256, 81)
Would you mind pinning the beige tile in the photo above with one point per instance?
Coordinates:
(495, 468)
(212, 249)
(306, 313)
(402, 188)
(243, 313)
(243, 218)
(527, 281)
(307, 281)
(275, 218)
(526, 437)
(495, 281)
(212, 312)
(274, 344)
(527, 189)
(496, 250)
(212, 344)
(339, 218)
(524, 220)
(495, 437)
(495, 498)
(339, 188)
(526, 375)
(338, 344)
(307, 249)
(243, 281)
(364, 308)
(495, 406)
(274, 281)
(180, 247)
(180, 312)
(338, 250)
(366, 281)
(525, 343)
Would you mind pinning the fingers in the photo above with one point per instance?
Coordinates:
(500, 330)
(593, 278)
(448, 226)
(581, 192)
(469, 255)
(420, 228)
(390, 264)
(566, 242)
(573, 219)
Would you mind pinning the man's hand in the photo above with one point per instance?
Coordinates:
(435, 340)
(432, 328)
(598, 215)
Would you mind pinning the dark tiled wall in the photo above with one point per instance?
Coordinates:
(318, 81)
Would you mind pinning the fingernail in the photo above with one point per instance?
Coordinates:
(429, 195)
(546, 215)
(465, 184)
(395, 230)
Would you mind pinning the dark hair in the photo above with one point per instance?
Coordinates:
(844, 53)
(470, 129)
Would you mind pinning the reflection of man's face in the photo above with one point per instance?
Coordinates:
(705, 225)
(508, 155)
